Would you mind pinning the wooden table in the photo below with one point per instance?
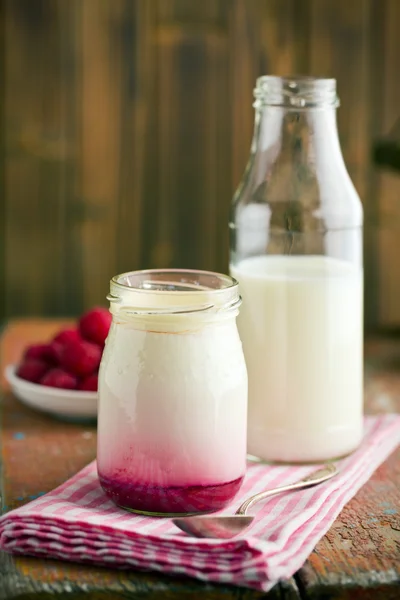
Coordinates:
(358, 558)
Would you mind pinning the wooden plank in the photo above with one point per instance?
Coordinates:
(389, 183)
(341, 45)
(375, 60)
(135, 45)
(35, 154)
(189, 150)
(71, 210)
(359, 557)
(38, 453)
(100, 128)
(2, 178)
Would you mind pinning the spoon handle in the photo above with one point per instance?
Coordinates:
(326, 472)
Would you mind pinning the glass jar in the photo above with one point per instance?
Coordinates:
(296, 250)
(172, 393)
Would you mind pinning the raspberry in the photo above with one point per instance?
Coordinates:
(95, 324)
(80, 357)
(59, 379)
(66, 335)
(43, 352)
(56, 351)
(32, 369)
(89, 384)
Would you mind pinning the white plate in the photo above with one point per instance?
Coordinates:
(65, 404)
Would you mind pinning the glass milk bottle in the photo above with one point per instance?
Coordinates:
(296, 250)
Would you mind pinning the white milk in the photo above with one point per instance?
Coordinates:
(301, 324)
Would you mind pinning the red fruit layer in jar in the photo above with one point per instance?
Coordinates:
(158, 500)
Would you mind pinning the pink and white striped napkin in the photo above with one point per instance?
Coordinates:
(77, 522)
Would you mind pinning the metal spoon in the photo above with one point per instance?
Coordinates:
(227, 526)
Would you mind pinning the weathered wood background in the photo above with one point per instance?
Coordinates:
(128, 125)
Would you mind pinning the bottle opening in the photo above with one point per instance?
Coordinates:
(296, 92)
(173, 291)
(174, 280)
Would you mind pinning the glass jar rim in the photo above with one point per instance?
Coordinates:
(296, 91)
(174, 291)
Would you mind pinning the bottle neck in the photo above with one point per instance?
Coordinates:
(296, 196)
(306, 137)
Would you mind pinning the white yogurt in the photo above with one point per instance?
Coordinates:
(173, 402)
(301, 324)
